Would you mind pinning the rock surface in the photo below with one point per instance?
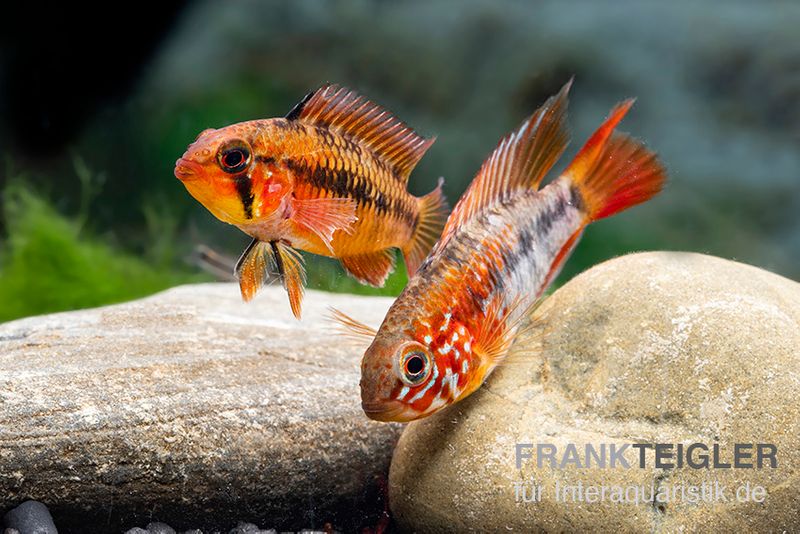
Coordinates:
(192, 408)
(648, 348)
(30, 517)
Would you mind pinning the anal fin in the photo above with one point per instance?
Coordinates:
(372, 268)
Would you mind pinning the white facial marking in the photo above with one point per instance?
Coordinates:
(464, 366)
(428, 340)
(437, 403)
(445, 348)
(403, 393)
(454, 386)
(467, 347)
(446, 321)
(424, 390)
(455, 337)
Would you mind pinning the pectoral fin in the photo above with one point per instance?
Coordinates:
(372, 268)
(324, 216)
(500, 326)
(259, 258)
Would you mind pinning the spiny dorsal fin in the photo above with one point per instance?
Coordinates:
(519, 162)
(350, 114)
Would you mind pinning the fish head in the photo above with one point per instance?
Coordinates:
(226, 171)
(393, 371)
(415, 368)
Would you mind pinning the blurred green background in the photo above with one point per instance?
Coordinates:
(95, 117)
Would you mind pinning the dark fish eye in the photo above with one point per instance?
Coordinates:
(415, 367)
(233, 157)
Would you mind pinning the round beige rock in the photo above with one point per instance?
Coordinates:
(650, 348)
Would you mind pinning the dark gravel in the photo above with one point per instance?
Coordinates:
(33, 517)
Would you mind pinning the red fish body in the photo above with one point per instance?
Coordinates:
(330, 178)
(503, 244)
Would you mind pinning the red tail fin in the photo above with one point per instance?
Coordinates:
(613, 171)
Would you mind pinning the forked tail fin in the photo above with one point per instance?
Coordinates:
(614, 171)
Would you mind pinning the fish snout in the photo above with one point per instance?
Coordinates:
(385, 411)
(377, 403)
(187, 170)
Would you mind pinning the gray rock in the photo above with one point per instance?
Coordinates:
(250, 528)
(648, 348)
(159, 528)
(192, 407)
(30, 517)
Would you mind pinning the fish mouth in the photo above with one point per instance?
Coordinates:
(187, 170)
(387, 411)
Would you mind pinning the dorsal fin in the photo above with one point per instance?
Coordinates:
(346, 112)
(519, 162)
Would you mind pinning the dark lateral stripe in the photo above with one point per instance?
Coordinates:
(245, 189)
(344, 184)
(529, 238)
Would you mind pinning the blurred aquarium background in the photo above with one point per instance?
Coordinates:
(95, 110)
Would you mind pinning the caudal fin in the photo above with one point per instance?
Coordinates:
(614, 171)
(432, 215)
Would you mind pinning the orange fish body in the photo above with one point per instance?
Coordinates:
(330, 178)
(504, 243)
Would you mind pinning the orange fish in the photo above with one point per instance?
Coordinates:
(501, 247)
(329, 178)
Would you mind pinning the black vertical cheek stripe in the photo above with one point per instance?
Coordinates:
(244, 187)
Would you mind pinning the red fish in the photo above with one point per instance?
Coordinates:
(501, 247)
(330, 178)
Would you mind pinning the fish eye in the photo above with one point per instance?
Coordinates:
(415, 367)
(233, 157)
